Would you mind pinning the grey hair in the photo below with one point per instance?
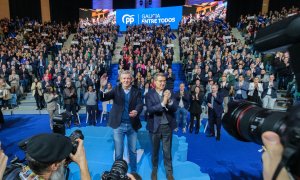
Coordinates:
(126, 72)
(158, 74)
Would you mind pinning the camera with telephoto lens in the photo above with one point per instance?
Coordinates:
(118, 171)
(247, 121)
(77, 134)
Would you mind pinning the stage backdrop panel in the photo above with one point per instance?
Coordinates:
(149, 16)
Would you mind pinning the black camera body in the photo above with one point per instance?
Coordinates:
(118, 171)
(247, 121)
(77, 134)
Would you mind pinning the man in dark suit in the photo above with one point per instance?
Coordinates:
(241, 88)
(269, 94)
(215, 110)
(224, 90)
(124, 115)
(161, 110)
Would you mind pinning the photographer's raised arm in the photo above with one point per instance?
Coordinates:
(80, 158)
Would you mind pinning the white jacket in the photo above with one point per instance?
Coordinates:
(251, 89)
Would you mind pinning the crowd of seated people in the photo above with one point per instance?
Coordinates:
(24, 48)
(250, 24)
(148, 50)
(279, 63)
(26, 65)
(212, 56)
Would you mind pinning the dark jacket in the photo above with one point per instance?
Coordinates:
(273, 90)
(68, 98)
(195, 107)
(155, 111)
(224, 90)
(117, 94)
(217, 104)
(186, 99)
(170, 82)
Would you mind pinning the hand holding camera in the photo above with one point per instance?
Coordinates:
(79, 157)
(3, 162)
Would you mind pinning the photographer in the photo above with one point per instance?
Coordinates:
(46, 155)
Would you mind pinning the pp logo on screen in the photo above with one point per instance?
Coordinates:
(126, 18)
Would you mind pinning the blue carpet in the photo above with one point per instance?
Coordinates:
(227, 159)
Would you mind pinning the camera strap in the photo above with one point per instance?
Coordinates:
(287, 155)
(278, 169)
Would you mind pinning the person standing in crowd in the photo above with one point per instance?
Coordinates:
(51, 99)
(161, 109)
(14, 80)
(124, 116)
(24, 79)
(70, 101)
(5, 94)
(183, 100)
(59, 87)
(37, 93)
(90, 98)
(197, 83)
(241, 87)
(255, 90)
(224, 90)
(269, 93)
(105, 103)
(195, 109)
(81, 87)
(215, 110)
(170, 79)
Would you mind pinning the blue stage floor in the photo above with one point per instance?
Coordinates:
(206, 158)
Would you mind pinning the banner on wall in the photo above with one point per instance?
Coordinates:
(149, 16)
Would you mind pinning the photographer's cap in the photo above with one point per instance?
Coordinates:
(49, 148)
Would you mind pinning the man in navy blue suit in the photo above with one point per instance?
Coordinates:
(124, 115)
(215, 110)
(161, 108)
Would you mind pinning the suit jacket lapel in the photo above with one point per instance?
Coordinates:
(122, 94)
(156, 95)
(131, 96)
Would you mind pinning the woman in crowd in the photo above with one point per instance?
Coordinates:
(195, 109)
(51, 98)
(37, 93)
(4, 94)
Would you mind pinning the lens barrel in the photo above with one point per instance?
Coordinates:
(247, 121)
